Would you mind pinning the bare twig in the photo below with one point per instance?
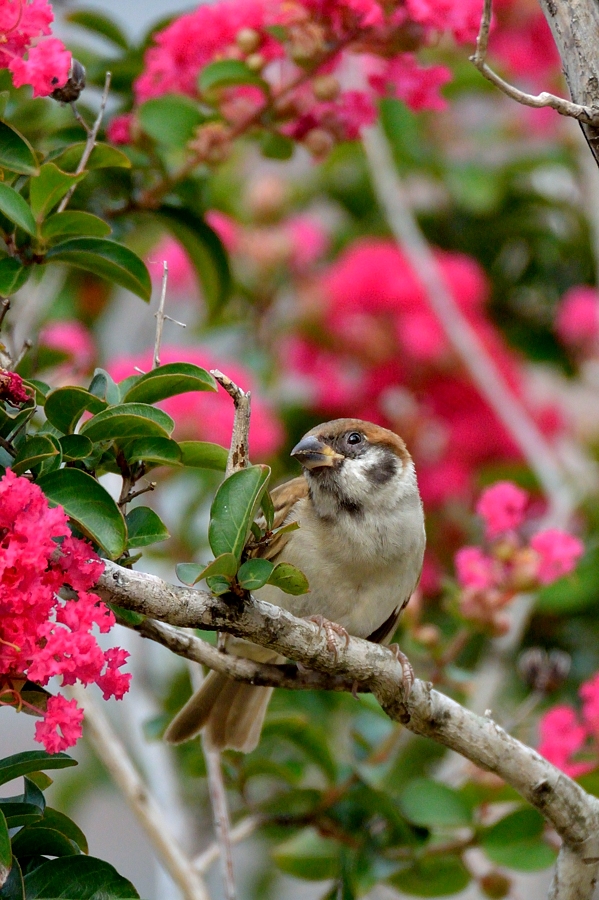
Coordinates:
(588, 115)
(27, 345)
(90, 143)
(4, 307)
(114, 756)
(131, 495)
(8, 447)
(159, 315)
(239, 833)
(485, 374)
(238, 452)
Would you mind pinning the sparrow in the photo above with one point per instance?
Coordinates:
(360, 543)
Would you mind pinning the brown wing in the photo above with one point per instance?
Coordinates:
(384, 633)
(284, 499)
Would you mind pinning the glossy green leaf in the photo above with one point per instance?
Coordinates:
(103, 156)
(14, 888)
(171, 119)
(34, 840)
(218, 584)
(289, 579)
(89, 505)
(49, 187)
(254, 573)
(127, 421)
(97, 23)
(190, 573)
(18, 814)
(168, 381)
(75, 446)
(16, 153)
(203, 455)
(308, 855)
(57, 820)
(16, 209)
(74, 222)
(433, 876)
(430, 803)
(32, 761)
(205, 250)
(65, 406)
(516, 842)
(5, 850)
(78, 878)
(234, 508)
(227, 72)
(145, 527)
(268, 510)
(107, 259)
(310, 739)
(34, 794)
(32, 451)
(153, 451)
(13, 275)
(102, 385)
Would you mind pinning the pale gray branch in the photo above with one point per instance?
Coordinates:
(238, 452)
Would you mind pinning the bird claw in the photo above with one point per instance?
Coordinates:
(407, 672)
(330, 629)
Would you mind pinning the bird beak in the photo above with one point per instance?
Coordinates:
(312, 453)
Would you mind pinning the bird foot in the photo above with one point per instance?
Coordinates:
(330, 629)
(407, 672)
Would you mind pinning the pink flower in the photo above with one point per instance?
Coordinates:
(404, 78)
(181, 278)
(558, 554)
(577, 321)
(476, 570)
(11, 388)
(118, 130)
(61, 714)
(561, 737)
(462, 17)
(308, 239)
(226, 228)
(46, 67)
(589, 694)
(75, 341)
(502, 507)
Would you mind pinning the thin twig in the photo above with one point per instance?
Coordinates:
(464, 339)
(131, 495)
(586, 114)
(4, 307)
(159, 316)
(238, 451)
(114, 756)
(239, 833)
(27, 345)
(90, 143)
(8, 447)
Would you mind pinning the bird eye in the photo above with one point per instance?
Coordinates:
(354, 438)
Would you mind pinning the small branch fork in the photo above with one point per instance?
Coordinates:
(587, 115)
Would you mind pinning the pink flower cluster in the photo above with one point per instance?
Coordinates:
(577, 320)
(490, 577)
(570, 739)
(41, 634)
(207, 416)
(75, 341)
(12, 389)
(302, 53)
(44, 64)
(366, 343)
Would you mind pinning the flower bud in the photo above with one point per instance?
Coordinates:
(319, 142)
(248, 40)
(495, 885)
(255, 62)
(267, 198)
(75, 84)
(429, 635)
(307, 41)
(211, 143)
(326, 87)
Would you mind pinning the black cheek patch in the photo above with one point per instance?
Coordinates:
(350, 506)
(383, 470)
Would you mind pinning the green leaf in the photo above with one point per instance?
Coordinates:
(516, 842)
(107, 259)
(227, 72)
(38, 840)
(145, 527)
(14, 888)
(289, 579)
(254, 573)
(32, 451)
(17, 814)
(100, 24)
(74, 222)
(190, 573)
(268, 510)
(78, 878)
(311, 740)
(430, 803)
(168, 381)
(206, 252)
(75, 446)
(203, 455)
(59, 822)
(32, 761)
(275, 145)
(219, 584)
(16, 209)
(128, 616)
(171, 119)
(13, 275)
(233, 509)
(153, 451)
(103, 386)
(127, 421)
(5, 850)
(433, 876)
(89, 505)
(103, 156)
(308, 855)
(16, 153)
(49, 187)
(65, 406)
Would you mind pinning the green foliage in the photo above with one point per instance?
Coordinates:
(107, 259)
(234, 508)
(516, 842)
(16, 153)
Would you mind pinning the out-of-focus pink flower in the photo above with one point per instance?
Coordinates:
(562, 736)
(404, 78)
(226, 228)
(475, 569)
(577, 321)
(309, 240)
(61, 714)
(181, 278)
(44, 64)
(46, 67)
(462, 17)
(75, 341)
(11, 388)
(589, 694)
(205, 415)
(522, 40)
(502, 507)
(558, 554)
(118, 130)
